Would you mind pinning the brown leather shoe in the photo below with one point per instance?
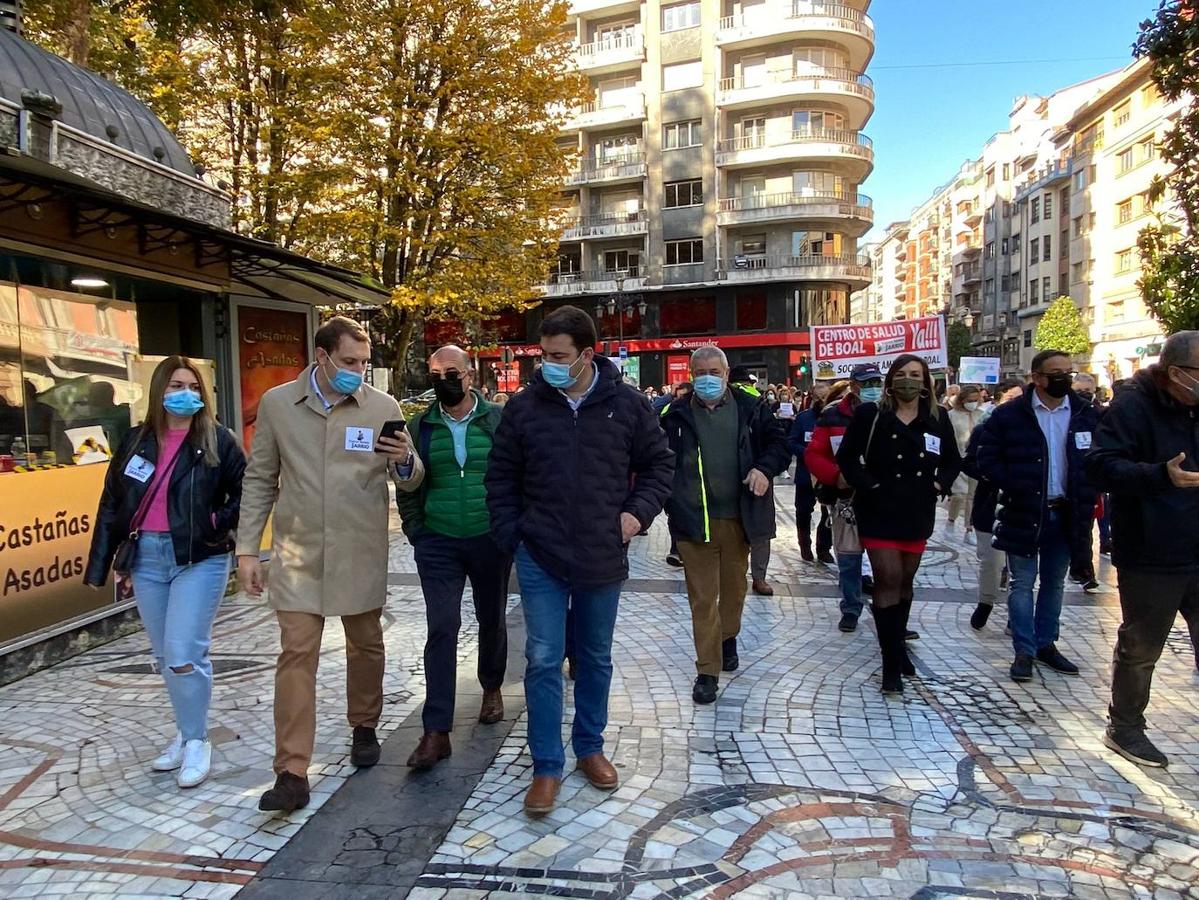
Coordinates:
(542, 794)
(600, 772)
(762, 588)
(492, 710)
(432, 749)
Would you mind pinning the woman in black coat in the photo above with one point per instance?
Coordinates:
(899, 456)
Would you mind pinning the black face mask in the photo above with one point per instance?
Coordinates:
(1059, 385)
(1086, 395)
(449, 392)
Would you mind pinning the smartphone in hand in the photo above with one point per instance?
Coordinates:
(392, 428)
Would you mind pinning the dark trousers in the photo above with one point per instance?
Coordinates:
(1149, 602)
(444, 564)
(805, 505)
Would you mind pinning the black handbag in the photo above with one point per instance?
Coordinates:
(122, 561)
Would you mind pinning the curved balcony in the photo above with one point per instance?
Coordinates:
(598, 281)
(853, 213)
(817, 145)
(851, 28)
(852, 91)
(852, 269)
(613, 53)
(625, 168)
(629, 109)
(607, 225)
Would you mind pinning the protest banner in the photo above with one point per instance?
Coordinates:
(836, 349)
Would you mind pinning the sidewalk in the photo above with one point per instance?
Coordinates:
(801, 781)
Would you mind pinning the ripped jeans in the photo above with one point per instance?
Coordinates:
(178, 605)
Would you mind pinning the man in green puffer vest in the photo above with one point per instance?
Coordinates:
(446, 519)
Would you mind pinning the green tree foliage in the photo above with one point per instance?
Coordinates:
(1169, 249)
(957, 336)
(1061, 328)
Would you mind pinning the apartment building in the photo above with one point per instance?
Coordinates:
(716, 196)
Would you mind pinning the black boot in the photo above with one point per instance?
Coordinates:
(905, 607)
(805, 543)
(888, 623)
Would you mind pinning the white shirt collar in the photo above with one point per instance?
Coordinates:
(1037, 402)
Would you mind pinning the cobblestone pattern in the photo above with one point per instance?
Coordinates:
(801, 781)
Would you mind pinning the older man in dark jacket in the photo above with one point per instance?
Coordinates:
(1032, 451)
(729, 447)
(578, 466)
(1146, 456)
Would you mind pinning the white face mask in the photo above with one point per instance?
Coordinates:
(971, 405)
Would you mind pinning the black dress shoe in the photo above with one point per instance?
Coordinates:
(848, 623)
(289, 794)
(364, 749)
(982, 612)
(826, 557)
(1021, 669)
(704, 691)
(1050, 656)
(728, 649)
(674, 560)
(868, 585)
(909, 635)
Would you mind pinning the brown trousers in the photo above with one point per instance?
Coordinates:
(295, 681)
(715, 573)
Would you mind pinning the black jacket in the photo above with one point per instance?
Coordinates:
(895, 485)
(203, 502)
(1155, 525)
(1014, 456)
(558, 480)
(761, 445)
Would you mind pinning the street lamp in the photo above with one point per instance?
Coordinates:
(618, 303)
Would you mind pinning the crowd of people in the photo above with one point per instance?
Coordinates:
(559, 479)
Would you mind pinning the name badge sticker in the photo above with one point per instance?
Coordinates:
(360, 440)
(835, 442)
(1082, 440)
(932, 444)
(807, 437)
(139, 469)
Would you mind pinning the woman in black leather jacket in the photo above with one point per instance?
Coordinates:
(176, 481)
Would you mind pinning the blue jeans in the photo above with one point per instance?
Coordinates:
(849, 569)
(593, 612)
(178, 605)
(1034, 628)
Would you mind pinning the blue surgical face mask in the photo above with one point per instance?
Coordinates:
(871, 394)
(344, 381)
(709, 387)
(559, 375)
(182, 403)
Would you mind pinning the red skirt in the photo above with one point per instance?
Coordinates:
(884, 544)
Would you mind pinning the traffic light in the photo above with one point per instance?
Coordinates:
(803, 365)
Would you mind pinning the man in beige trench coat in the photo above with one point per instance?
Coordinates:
(319, 462)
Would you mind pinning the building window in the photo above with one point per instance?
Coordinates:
(1007, 171)
(690, 315)
(1027, 338)
(1124, 161)
(1146, 150)
(685, 252)
(990, 250)
(991, 177)
(622, 261)
(1047, 242)
(1003, 247)
(678, 76)
(751, 312)
(753, 245)
(677, 135)
(1121, 114)
(1015, 244)
(1033, 287)
(678, 16)
(815, 121)
(1063, 283)
(684, 193)
(1035, 210)
(1034, 250)
(1115, 311)
(815, 243)
(1078, 226)
(989, 287)
(1149, 95)
(1124, 212)
(1124, 261)
(1047, 209)
(1046, 288)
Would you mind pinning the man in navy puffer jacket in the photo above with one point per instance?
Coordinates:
(578, 466)
(1032, 450)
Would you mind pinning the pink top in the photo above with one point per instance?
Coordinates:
(156, 516)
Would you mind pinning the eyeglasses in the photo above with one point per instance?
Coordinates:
(448, 375)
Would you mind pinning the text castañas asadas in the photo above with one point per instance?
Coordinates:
(54, 567)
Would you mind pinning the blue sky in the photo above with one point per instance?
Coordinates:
(930, 119)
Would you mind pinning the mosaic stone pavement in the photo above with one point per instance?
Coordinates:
(801, 781)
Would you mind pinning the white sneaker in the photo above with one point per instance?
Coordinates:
(170, 758)
(197, 757)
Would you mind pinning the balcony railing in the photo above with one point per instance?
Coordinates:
(605, 225)
(595, 113)
(752, 268)
(856, 205)
(620, 44)
(594, 281)
(852, 142)
(628, 165)
(850, 17)
(847, 78)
